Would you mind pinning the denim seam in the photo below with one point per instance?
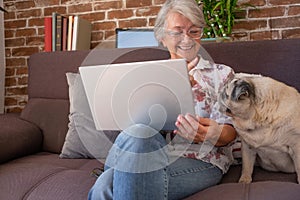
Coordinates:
(192, 170)
(166, 180)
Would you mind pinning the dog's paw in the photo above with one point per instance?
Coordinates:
(245, 179)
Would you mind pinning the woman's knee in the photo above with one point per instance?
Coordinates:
(148, 151)
(140, 138)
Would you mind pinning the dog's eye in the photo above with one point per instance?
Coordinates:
(243, 95)
(242, 91)
(228, 110)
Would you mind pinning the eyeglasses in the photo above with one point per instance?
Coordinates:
(194, 33)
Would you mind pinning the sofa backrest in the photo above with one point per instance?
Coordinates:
(279, 59)
(48, 104)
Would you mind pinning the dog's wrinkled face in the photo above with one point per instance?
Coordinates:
(237, 97)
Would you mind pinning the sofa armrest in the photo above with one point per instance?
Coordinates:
(18, 137)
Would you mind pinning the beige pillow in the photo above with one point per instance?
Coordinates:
(82, 139)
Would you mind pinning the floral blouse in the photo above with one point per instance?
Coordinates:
(210, 78)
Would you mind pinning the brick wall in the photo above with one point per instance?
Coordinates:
(24, 28)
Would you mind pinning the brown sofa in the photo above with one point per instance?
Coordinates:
(30, 142)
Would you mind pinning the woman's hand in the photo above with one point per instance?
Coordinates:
(198, 129)
(191, 65)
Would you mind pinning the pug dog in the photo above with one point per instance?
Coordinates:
(266, 115)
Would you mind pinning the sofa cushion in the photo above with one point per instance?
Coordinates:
(18, 137)
(51, 116)
(83, 140)
(267, 190)
(259, 174)
(45, 176)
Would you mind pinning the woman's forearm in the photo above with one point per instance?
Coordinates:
(228, 134)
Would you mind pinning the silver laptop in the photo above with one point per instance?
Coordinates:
(151, 93)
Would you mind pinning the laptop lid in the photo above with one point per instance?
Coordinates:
(135, 37)
(151, 93)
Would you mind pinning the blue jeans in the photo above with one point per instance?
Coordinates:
(139, 167)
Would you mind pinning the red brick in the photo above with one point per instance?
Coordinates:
(283, 2)
(138, 3)
(14, 42)
(21, 70)
(265, 35)
(266, 12)
(9, 71)
(80, 8)
(133, 23)
(9, 15)
(20, 5)
(36, 21)
(109, 35)
(96, 36)
(105, 25)
(10, 81)
(35, 40)
(24, 51)
(48, 11)
(29, 13)
(152, 21)
(9, 33)
(13, 110)
(294, 10)
(14, 62)
(285, 22)
(9, 101)
(241, 14)
(22, 80)
(107, 5)
(16, 91)
(41, 31)
(23, 102)
(7, 52)
(254, 3)
(148, 11)
(66, 1)
(95, 16)
(250, 25)
(45, 3)
(15, 24)
(120, 14)
(239, 36)
(25, 32)
(291, 33)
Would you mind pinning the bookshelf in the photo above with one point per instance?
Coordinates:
(67, 33)
(2, 61)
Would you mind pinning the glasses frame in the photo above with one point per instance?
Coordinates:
(180, 34)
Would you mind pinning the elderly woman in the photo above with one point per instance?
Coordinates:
(142, 164)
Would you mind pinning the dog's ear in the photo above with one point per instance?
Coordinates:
(242, 90)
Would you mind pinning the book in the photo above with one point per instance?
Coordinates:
(81, 38)
(48, 34)
(54, 31)
(64, 37)
(59, 24)
(70, 32)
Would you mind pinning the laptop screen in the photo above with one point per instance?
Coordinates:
(126, 38)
